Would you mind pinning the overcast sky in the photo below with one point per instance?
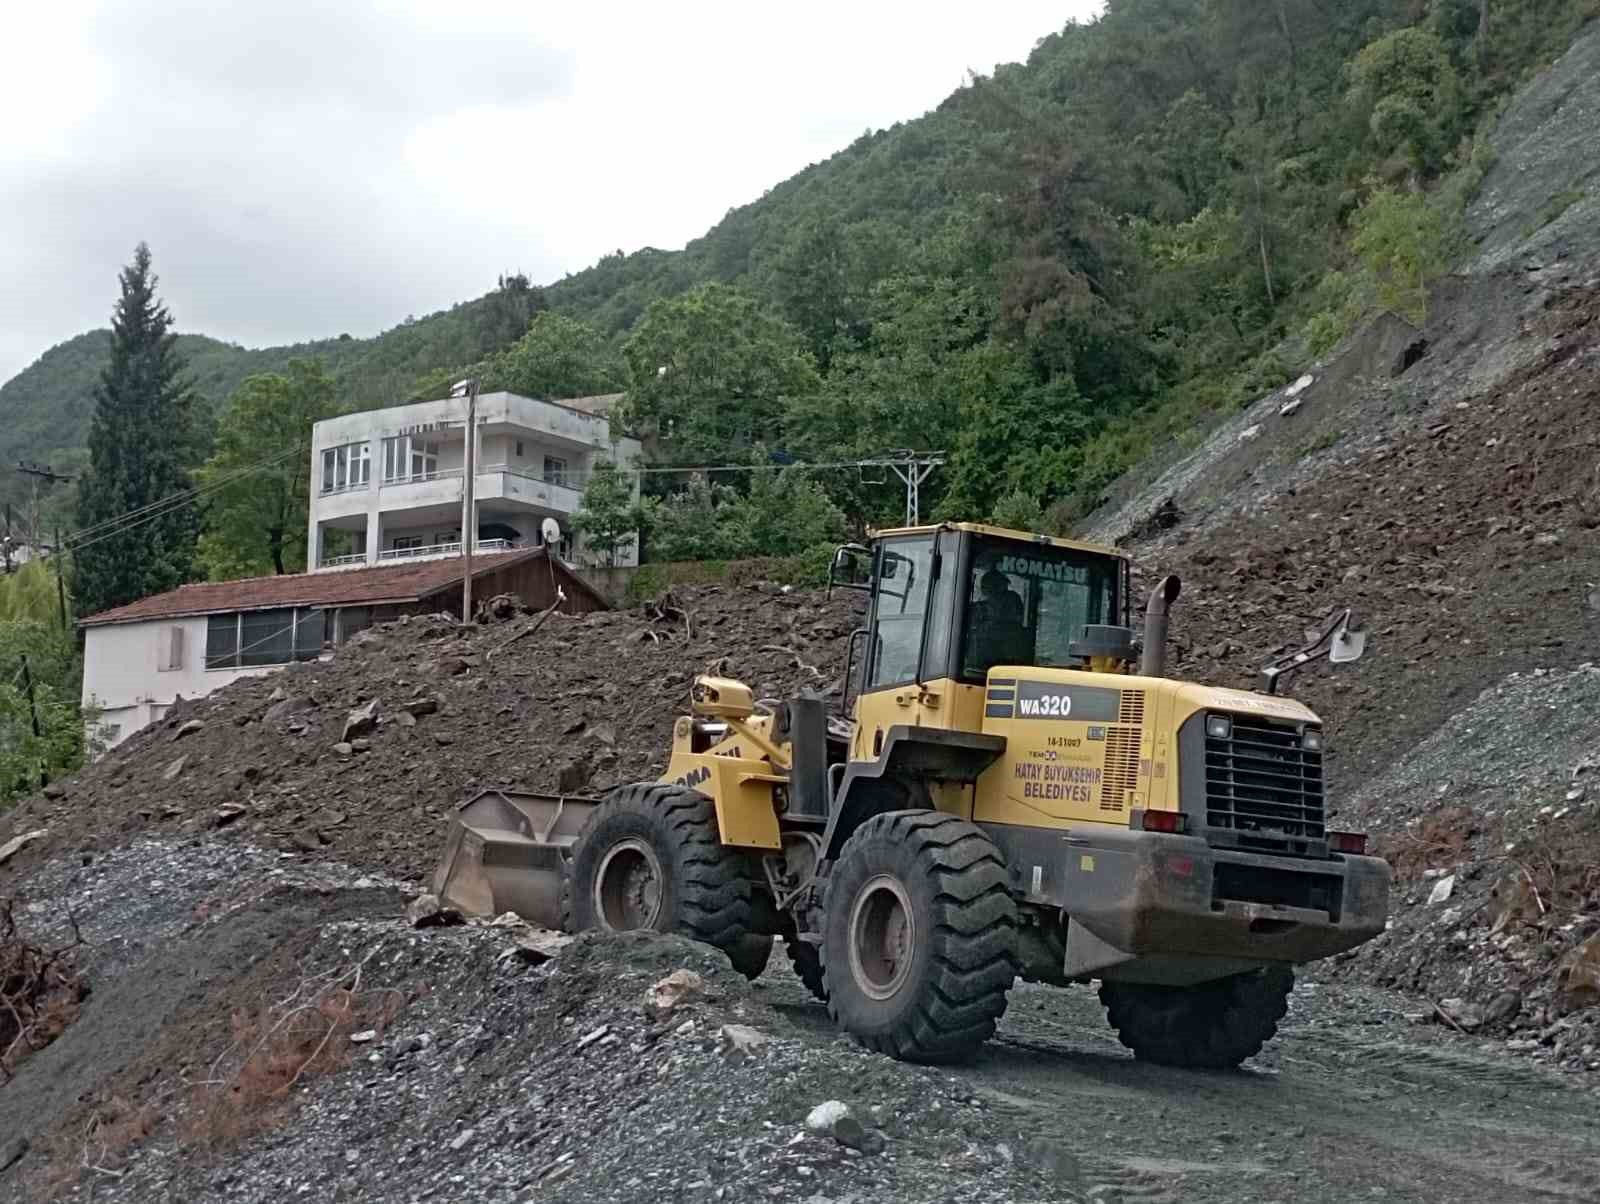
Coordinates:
(302, 168)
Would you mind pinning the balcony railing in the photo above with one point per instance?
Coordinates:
(333, 562)
(566, 480)
(443, 549)
(416, 478)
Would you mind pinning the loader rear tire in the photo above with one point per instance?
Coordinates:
(919, 936)
(650, 858)
(1213, 1026)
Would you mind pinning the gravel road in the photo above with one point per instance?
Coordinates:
(485, 1088)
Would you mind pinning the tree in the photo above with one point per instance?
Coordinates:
(1409, 86)
(1019, 511)
(1401, 238)
(812, 283)
(610, 518)
(690, 524)
(711, 374)
(138, 532)
(784, 513)
(505, 313)
(558, 357)
(56, 745)
(257, 513)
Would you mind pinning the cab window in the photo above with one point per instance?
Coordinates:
(904, 575)
(1025, 607)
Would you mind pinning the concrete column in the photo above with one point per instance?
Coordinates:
(374, 519)
(313, 528)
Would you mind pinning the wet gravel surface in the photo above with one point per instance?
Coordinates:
(506, 1080)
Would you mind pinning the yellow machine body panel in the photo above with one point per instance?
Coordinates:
(739, 778)
(1089, 748)
(944, 704)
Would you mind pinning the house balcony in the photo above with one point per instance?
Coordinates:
(500, 483)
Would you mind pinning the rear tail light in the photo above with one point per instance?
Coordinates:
(1353, 843)
(1170, 822)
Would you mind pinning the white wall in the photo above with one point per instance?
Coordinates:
(121, 674)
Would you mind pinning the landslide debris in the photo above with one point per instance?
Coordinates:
(362, 758)
(1467, 537)
(581, 1077)
(1493, 828)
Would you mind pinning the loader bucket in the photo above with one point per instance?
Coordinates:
(507, 851)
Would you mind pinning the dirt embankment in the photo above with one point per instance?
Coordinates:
(579, 705)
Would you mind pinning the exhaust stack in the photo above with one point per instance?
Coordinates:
(1153, 661)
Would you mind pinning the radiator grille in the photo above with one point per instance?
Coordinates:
(1131, 708)
(1260, 780)
(1121, 777)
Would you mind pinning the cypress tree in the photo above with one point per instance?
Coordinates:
(141, 444)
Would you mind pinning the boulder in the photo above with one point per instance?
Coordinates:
(673, 991)
(361, 721)
(740, 1040)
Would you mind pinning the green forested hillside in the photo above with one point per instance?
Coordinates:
(1095, 245)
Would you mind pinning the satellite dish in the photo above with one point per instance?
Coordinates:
(550, 532)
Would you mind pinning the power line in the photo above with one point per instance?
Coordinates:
(178, 499)
(91, 535)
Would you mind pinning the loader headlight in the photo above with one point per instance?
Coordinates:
(1219, 727)
(1311, 741)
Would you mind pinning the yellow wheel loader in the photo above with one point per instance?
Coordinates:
(1018, 790)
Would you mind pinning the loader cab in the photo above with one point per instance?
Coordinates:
(949, 603)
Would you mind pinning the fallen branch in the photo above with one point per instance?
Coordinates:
(530, 628)
(795, 656)
(40, 990)
(1439, 1011)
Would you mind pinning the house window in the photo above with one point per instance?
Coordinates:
(222, 641)
(406, 458)
(169, 650)
(407, 543)
(346, 467)
(447, 537)
(555, 470)
(253, 638)
(519, 448)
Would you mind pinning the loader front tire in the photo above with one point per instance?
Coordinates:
(919, 936)
(650, 858)
(1212, 1026)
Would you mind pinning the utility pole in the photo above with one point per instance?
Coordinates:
(469, 469)
(39, 472)
(8, 539)
(61, 586)
(912, 468)
(33, 710)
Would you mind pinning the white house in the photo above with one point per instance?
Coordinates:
(140, 658)
(387, 484)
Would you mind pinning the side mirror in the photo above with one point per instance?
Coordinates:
(1341, 639)
(1348, 644)
(840, 568)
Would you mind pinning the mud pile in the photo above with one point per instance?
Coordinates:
(361, 758)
